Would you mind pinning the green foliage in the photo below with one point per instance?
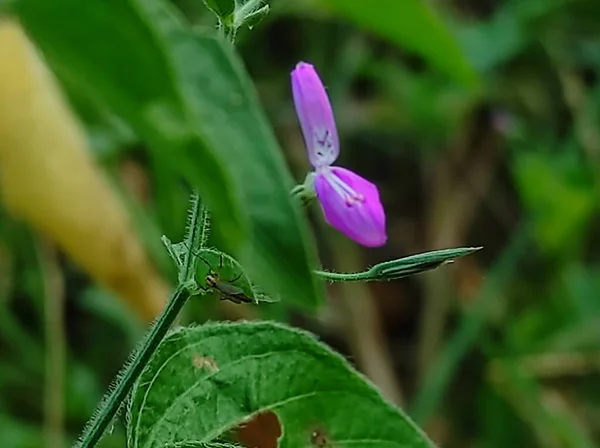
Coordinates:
(228, 272)
(184, 94)
(411, 24)
(219, 375)
(221, 8)
(469, 330)
(232, 14)
(251, 13)
(196, 263)
(561, 196)
(517, 362)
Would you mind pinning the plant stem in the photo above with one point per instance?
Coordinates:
(400, 267)
(111, 402)
(345, 277)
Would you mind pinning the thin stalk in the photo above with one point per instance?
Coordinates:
(195, 238)
(345, 277)
(401, 267)
(110, 404)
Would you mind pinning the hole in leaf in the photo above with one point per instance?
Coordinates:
(263, 431)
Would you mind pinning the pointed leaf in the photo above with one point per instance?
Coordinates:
(416, 264)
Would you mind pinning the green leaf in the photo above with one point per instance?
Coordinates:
(230, 273)
(255, 17)
(250, 13)
(226, 268)
(220, 375)
(221, 8)
(410, 24)
(189, 98)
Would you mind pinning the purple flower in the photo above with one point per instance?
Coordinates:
(350, 203)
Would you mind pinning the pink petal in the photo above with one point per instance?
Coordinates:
(315, 115)
(351, 204)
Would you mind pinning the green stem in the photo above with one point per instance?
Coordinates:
(195, 239)
(111, 402)
(345, 277)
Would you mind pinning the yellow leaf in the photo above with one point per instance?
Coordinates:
(49, 179)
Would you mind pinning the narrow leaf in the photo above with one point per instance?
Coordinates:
(415, 264)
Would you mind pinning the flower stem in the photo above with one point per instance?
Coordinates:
(110, 404)
(400, 267)
(345, 277)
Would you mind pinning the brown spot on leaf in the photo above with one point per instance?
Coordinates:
(205, 362)
(263, 431)
(318, 438)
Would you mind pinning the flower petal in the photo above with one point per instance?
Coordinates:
(315, 115)
(351, 204)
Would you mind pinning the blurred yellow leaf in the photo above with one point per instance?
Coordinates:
(49, 179)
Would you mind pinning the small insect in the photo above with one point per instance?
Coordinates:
(226, 289)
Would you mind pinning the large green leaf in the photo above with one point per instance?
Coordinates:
(190, 99)
(219, 375)
(413, 25)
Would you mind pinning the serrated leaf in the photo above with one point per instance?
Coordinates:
(191, 101)
(256, 367)
(410, 24)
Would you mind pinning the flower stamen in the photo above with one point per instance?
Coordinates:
(323, 144)
(347, 193)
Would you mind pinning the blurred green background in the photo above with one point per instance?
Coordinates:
(484, 134)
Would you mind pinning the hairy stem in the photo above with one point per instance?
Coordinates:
(195, 239)
(113, 400)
